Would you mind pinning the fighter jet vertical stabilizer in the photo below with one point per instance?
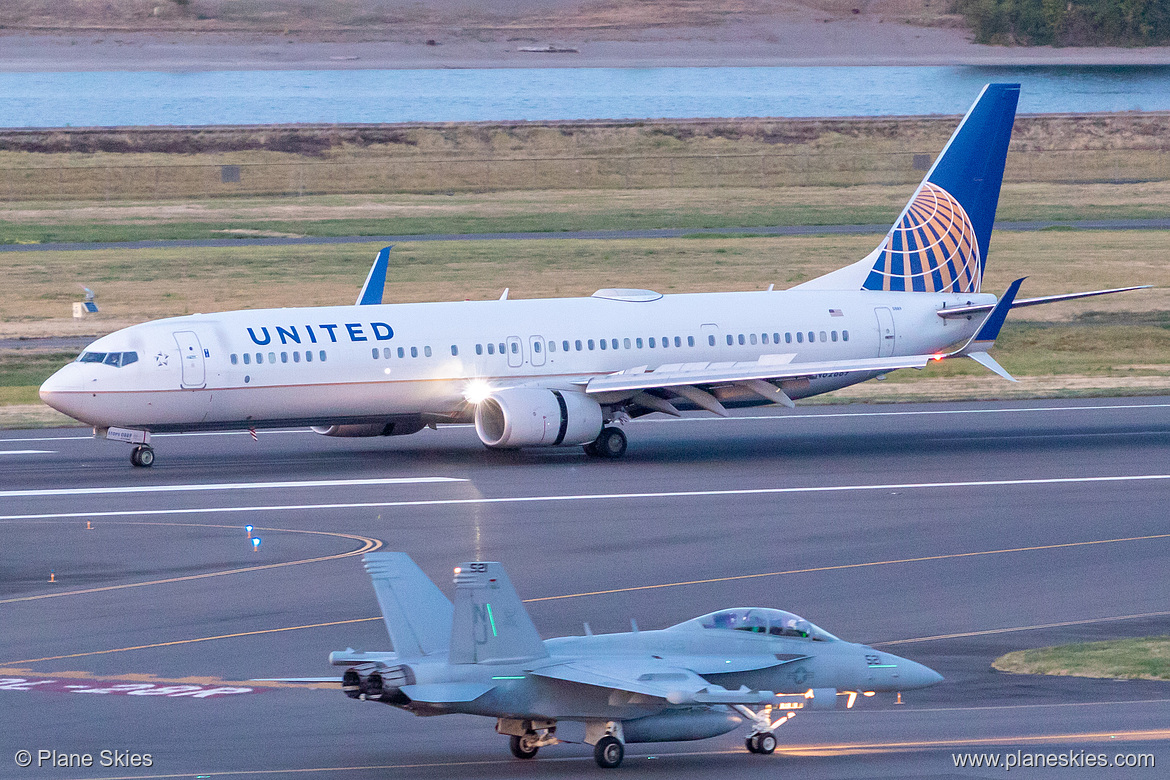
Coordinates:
(490, 624)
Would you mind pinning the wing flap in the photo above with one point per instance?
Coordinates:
(679, 376)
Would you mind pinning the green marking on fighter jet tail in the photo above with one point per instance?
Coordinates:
(492, 619)
(883, 666)
(511, 677)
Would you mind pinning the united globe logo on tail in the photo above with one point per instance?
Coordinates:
(933, 248)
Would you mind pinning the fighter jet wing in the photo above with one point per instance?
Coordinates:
(661, 680)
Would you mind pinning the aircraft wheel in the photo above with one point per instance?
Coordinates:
(610, 443)
(608, 752)
(591, 450)
(750, 744)
(142, 456)
(766, 743)
(520, 747)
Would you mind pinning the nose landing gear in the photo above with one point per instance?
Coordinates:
(142, 456)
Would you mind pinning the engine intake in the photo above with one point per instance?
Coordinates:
(537, 417)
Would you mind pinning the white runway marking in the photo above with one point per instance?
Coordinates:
(597, 496)
(27, 452)
(95, 491)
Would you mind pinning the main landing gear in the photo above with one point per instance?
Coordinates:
(142, 456)
(609, 444)
(608, 752)
(525, 746)
(763, 743)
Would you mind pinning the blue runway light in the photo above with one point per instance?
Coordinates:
(255, 542)
(248, 528)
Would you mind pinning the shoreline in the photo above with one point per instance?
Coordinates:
(846, 42)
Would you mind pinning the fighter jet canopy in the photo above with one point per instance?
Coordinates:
(759, 620)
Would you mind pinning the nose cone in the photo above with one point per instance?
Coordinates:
(63, 391)
(912, 674)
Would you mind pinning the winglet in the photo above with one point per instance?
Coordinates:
(371, 293)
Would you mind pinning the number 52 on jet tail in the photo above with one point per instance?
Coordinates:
(483, 656)
(571, 371)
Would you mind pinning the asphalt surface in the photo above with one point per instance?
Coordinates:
(949, 534)
(770, 230)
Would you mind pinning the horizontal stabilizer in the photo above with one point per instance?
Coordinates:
(446, 693)
(990, 363)
(966, 311)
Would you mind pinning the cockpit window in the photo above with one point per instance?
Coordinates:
(115, 359)
(773, 622)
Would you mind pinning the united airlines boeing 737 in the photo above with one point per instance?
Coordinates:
(570, 371)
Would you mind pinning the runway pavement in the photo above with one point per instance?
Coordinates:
(948, 533)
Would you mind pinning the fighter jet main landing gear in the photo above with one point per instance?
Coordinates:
(761, 740)
(528, 736)
(142, 456)
(608, 752)
(525, 746)
(609, 444)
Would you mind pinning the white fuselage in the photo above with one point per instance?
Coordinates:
(354, 364)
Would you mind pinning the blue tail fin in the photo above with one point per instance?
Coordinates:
(939, 243)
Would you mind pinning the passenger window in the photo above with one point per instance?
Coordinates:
(284, 356)
(752, 339)
(811, 337)
(414, 352)
(730, 339)
(491, 349)
(833, 335)
(247, 358)
(515, 348)
(638, 342)
(454, 350)
(501, 347)
(589, 344)
(552, 346)
(271, 357)
(741, 340)
(652, 343)
(321, 354)
(402, 352)
(535, 346)
(479, 349)
(787, 338)
(308, 357)
(577, 344)
(385, 353)
(374, 351)
(690, 341)
(764, 338)
(565, 346)
(824, 336)
(297, 357)
(775, 338)
(603, 344)
(710, 340)
(259, 358)
(800, 337)
(427, 351)
(665, 341)
(235, 359)
(626, 343)
(844, 335)
(677, 341)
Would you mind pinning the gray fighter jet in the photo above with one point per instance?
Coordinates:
(698, 679)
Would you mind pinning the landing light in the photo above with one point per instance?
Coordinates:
(477, 391)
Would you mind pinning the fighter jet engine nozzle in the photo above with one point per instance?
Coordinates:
(377, 683)
(537, 417)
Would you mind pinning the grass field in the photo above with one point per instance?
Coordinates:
(1147, 658)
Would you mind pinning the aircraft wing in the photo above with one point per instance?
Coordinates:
(663, 680)
(684, 378)
(955, 312)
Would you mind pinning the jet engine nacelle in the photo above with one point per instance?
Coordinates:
(378, 683)
(397, 428)
(679, 725)
(537, 417)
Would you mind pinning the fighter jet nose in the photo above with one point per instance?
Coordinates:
(915, 675)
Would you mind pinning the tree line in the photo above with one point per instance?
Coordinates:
(1068, 22)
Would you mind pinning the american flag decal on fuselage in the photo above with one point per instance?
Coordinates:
(931, 249)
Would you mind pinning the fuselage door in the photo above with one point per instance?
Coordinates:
(515, 352)
(885, 320)
(191, 358)
(536, 350)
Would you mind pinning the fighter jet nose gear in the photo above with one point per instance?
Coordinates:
(482, 655)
